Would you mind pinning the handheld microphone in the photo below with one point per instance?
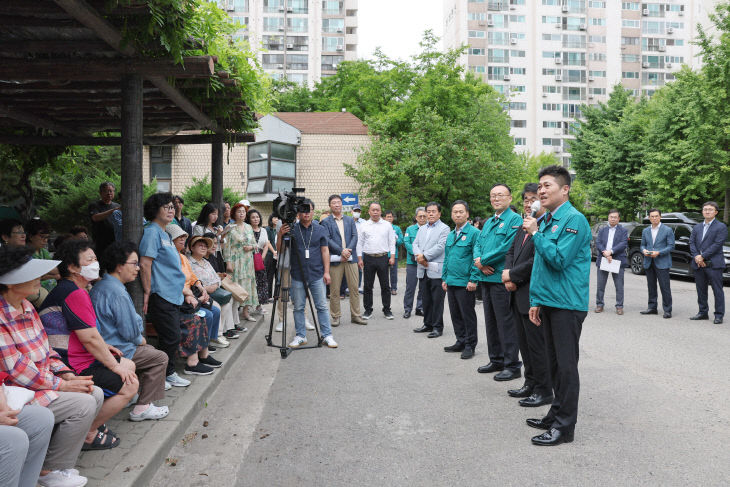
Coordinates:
(534, 207)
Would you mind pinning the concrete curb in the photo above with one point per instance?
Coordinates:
(139, 466)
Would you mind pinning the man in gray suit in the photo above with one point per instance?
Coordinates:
(428, 249)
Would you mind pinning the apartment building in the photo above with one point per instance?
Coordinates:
(548, 57)
(300, 40)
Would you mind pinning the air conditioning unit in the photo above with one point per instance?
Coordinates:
(645, 12)
(670, 31)
(558, 77)
(644, 65)
(558, 132)
(681, 13)
(558, 26)
(281, 8)
(230, 5)
(339, 31)
(281, 29)
(558, 60)
(582, 26)
(340, 48)
(279, 66)
(481, 22)
(591, 78)
(544, 95)
(513, 40)
(289, 9)
(590, 97)
(490, 23)
(669, 65)
(662, 48)
(506, 77)
(565, 8)
(290, 46)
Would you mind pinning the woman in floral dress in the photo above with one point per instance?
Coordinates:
(238, 254)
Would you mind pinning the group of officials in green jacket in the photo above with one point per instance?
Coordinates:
(543, 260)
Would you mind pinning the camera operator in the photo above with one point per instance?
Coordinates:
(310, 257)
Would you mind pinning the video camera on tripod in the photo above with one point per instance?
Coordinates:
(288, 204)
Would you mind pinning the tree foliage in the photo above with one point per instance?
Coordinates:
(198, 194)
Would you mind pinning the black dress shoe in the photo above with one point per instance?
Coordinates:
(419, 312)
(508, 374)
(667, 315)
(699, 316)
(435, 334)
(467, 353)
(552, 437)
(490, 367)
(541, 423)
(407, 314)
(456, 347)
(536, 400)
(717, 321)
(524, 391)
(423, 329)
(649, 312)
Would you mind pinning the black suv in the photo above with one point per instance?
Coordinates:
(689, 217)
(681, 257)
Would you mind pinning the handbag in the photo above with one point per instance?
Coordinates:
(16, 397)
(258, 262)
(235, 289)
(221, 296)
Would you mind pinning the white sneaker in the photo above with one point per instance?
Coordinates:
(132, 401)
(297, 342)
(177, 381)
(220, 342)
(62, 478)
(280, 327)
(168, 386)
(308, 324)
(330, 342)
(152, 412)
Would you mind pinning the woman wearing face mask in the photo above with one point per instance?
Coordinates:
(70, 306)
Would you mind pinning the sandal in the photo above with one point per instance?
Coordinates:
(102, 441)
(105, 429)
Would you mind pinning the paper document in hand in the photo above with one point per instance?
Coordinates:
(335, 258)
(614, 266)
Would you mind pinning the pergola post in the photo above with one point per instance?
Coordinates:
(132, 191)
(216, 177)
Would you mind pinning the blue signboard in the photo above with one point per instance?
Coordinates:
(349, 199)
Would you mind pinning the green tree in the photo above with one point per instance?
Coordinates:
(198, 194)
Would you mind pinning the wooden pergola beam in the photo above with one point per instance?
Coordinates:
(29, 46)
(37, 121)
(109, 69)
(187, 139)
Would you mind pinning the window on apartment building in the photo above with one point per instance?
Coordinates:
(574, 58)
(520, 141)
(653, 61)
(629, 41)
(241, 5)
(576, 6)
(548, 19)
(333, 44)
(496, 72)
(551, 141)
(476, 69)
(478, 34)
(675, 8)
(517, 18)
(272, 61)
(301, 24)
(333, 26)
(655, 9)
(273, 6)
(551, 37)
(501, 89)
(630, 24)
(518, 88)
(574, 93)
(477, 1)
(597, 56)
(161, 167)
(517, 35)
(596, 91)
(630, 58)
(630, 5)
(597, 74)
(573, 23)
(517, 105)
(547, 124)
(299, 6)
(273, 24)
(240, 21)
(498, 55)
(674, 59)
(518, 70)
(550, 54)
(330, 7)
(675, 42)
(551, 2)
(597, 39)
(271, 167)
(330, 63)
(571, 110)
(598, 21)
(551, 107)
(551, 89)
(675, 25)
(548, 71)
(498, 38)
(574, 75)
(499, 21)
(516, 2)
(518, 124)
(656, 79)
(477, 51)
(300, 78)
(574, 41)
(652, 27)
(476, 16)
(630, 74)
(596, 4)
(297, 62)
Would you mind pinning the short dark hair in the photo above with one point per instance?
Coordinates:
(375, 203)
(36, 226)
(334, 197)
(78, 229)
(251, 212)
(529, 188)
(105, 184)
(561, 175)
(501, 184)
(68, 254)
(389, 212)
(434, 203)
(309, 202)
(7, 225)
(116, 254)
(614, 210)
(58, 241)
(154, 203)
(205, 212)
(179, 198)
(12, 258)
(271, 219)
(655, 210)
(461, 202)
(713, 204)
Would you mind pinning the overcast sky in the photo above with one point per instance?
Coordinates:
(396, 25)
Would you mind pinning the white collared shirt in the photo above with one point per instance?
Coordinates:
(611, 235)
(654, 232)
(705, 227)
(376, 237)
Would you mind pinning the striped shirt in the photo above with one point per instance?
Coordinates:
(25, 354)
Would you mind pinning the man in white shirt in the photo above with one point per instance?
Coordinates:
(376, 238)
(611, 243)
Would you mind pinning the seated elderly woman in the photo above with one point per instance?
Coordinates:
(121, 326)
(68, 309)
(29, 361)
(37, 238)
(200, 363)
(12, 233)
(210, 280)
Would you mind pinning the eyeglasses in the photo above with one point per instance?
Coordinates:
(135, 264)
(498, 196)
(168, 207)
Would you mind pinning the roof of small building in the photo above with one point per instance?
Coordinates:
(338, 123)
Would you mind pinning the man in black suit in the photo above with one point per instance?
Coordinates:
(611, 243)
(708, 261)
(537, 389)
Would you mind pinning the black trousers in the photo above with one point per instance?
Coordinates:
(532, 348)
(662, 276)
(463, 315)
(165, 317)
(502, 342)
(713, 277)
(433, 303)
(270, 274)
(562, 333)
(373, 266)
(413, 282)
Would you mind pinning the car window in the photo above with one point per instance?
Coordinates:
(681, 231)
(636, 232)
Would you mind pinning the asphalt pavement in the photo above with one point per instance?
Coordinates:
(390, 408)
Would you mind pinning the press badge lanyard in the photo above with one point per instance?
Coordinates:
(306, 249)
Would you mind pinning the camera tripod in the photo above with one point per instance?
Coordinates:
(281, 292)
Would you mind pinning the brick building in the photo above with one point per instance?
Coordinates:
(296, 149)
